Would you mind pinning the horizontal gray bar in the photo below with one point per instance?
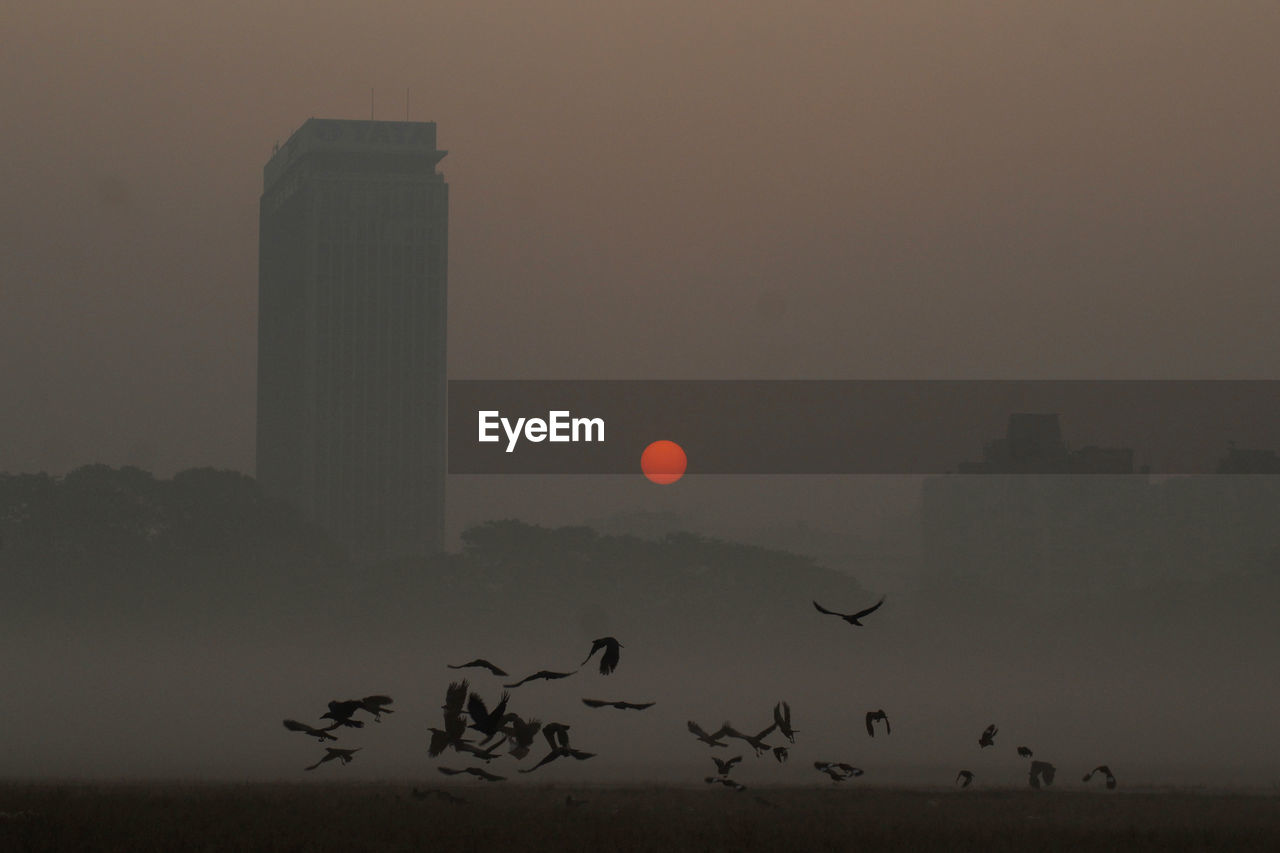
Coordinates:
(876, 426)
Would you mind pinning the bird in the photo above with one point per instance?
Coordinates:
(728, 783)
(851, 618)
(449, 736)
(478, 772)
(485, 755)
(756, 741)
(609, 660)
(331, 752)
(340, 713)
(321, 735)
(709, 739)
(521, 733)
(455, 697)
(557, 734)
(479, 662)
(988, 736)
(725, 765)
(872, 716)
(1025, 752)
(1105, 771)
(622, 706)
(1041, 770)
(483, 720)
(781, 753)
(838, 771)
(964, 777)
(543, 674)
(376, 705)
(561, 752)
(782, 719)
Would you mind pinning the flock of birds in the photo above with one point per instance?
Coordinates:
(483, 732)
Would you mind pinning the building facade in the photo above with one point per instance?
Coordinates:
(352, 303)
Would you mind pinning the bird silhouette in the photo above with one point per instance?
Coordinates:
(331, 753)
(728, 783)
(561, 752)
(709, 739)
(988, 736)
(485, 755)
(872, 717)
(781, 754)
(851, 618)
(321, 735)
(1041, 770)
(609, 660)
(557, 735)
(782, 719)
(376, 705)
(481, 663)
(724, 765)
(483, 720)
(838, 771)
(755, 741)
(964, 777)
(540, 674)
(341, 712)
(1105, 771)
(520, 733)
(478, 772)
(455, 697)
(1025, 752)
(622, 706)
(450, 736)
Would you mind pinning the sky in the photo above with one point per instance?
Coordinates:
(658, 190)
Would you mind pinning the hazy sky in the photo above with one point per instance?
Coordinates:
(666, 189)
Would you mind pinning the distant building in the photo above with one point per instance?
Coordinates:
(352, 270)
(1028, 525)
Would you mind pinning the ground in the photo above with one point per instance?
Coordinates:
(498, 817)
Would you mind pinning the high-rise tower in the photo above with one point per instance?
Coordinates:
(352, 263)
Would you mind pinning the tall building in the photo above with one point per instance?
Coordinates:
(352, 263)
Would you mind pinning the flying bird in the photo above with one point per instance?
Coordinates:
(540, 674)
(478, 772)
(709, 740)
(621, 706)
(1025, 752)
(557, 735)
(376, 705)
(1041, 770)
(483, 720)
(340, 713)
(988, 736)
(609, 660)
(872, 717)
(725, 765)
(728, 783)
(330, 753)
(561, 752)
(838, 771)
(756, 741)
(478, 662)
(521, 733)
(455, 697)
(781, 754)
(782, 719)
(319, 734)
(964, 777)
(450, 736)
(851, 618)
(1105, 771)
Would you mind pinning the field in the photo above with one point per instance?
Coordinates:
(499, 818)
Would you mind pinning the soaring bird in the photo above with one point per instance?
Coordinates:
(728, 783)
(321, 735)
(756, 741)
(483, 720)
(851, 618)
(478, 772)
(1105, 771)
(988, 736)
(561, 752)
(1024, 751)
(340, 713)
(376, 705)
(709, 739)
(478, 662)
(725, 765)
(964, 777)
(543, 674)
(609, 660)
(872, 717)
(838, 771)
(331, 752)
(782, 719)
(621, 706)
(1041, 770)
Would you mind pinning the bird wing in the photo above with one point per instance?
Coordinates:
(872, 609)
(822, 609)
(636, 706)
(595, 647)
(698, 730)
(887, 729)
(449, 771)
(871, 729)
(476, 708)
(595, 703)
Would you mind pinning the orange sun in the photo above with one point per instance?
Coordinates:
(663, 462)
